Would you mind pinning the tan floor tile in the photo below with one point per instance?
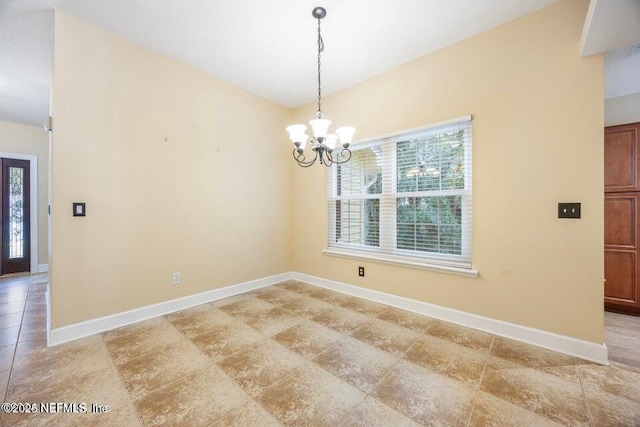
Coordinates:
(14, 294)
(226, 339)
(36, 317)
(306, 306)
(341, 319)
(275, 295)
(386, 336)
(201, 322)
(197, 399)
(567, 372)
(229, 300)
(617, 320)
(371, 413)
(151, 371)
(136, 340)
(611, 379)
(624, 355)
(529, 356)
(273, 321)
(36, 305)
(545, 394)
(6, 357)
(328, 296)
(310, 396)
(9, 336)
(37, 296)
(425, 396)
(27, 351)
(260, 365)
(452, 360)
(608, 409)
(622, 366)
(247, 308)
(308, 338)
(407, 319)
(57, 366)
(102, 387)
(457, 334)
(493, 411)
(296, 286)
(194, 311)
(31, 332)
(12, 307)
(133, 329)
(38, 324)
(364, 306)
(4, 381)
(357, 363)
(10, 320)
(623, 338)
(120, 416)
(249, 414)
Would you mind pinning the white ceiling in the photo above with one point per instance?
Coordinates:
(610, 25)
(266, 47)
(622, 72)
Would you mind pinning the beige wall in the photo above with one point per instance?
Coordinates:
(23, 139)
(537, 141)
(181, 172)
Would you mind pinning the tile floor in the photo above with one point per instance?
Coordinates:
(294, 354)
(622, 336)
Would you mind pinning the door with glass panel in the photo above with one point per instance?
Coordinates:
(14, 181)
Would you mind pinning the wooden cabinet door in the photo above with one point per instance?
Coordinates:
(621, 252)
(621, 218)
(621, 160)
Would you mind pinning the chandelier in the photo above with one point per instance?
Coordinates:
(323, 144)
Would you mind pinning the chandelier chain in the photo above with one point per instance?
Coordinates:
(320, 50)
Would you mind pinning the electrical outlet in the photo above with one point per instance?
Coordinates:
(176, 278)
(361, 271)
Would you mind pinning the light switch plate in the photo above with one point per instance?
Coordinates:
(568, 210)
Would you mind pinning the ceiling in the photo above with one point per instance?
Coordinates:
(269, 47)
(265, 47)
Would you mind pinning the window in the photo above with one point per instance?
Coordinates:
(406, 198)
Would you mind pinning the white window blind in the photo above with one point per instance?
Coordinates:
(406, 196)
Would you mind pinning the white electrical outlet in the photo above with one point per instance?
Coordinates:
(176, 278)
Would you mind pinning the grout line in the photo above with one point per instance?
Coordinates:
(124, 387)
(484, 367)
(584, 396)
(217, 366)
(15, 344)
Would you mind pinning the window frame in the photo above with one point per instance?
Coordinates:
(387, 250)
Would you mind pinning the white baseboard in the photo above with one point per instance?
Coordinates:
(583, 349)
(563, 344)
(42, 268)
(101, 324)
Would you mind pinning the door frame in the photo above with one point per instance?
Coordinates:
(33, 189)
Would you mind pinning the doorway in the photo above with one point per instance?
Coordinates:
(15, 216)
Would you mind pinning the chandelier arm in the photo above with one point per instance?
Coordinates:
(299, 157)
(345, 153)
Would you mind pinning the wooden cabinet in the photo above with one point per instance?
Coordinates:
(622, 220)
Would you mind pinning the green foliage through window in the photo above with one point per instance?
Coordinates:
(406, 195)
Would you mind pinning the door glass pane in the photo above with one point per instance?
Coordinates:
(16, 212)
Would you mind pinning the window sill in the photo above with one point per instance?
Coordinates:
(381, 259)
